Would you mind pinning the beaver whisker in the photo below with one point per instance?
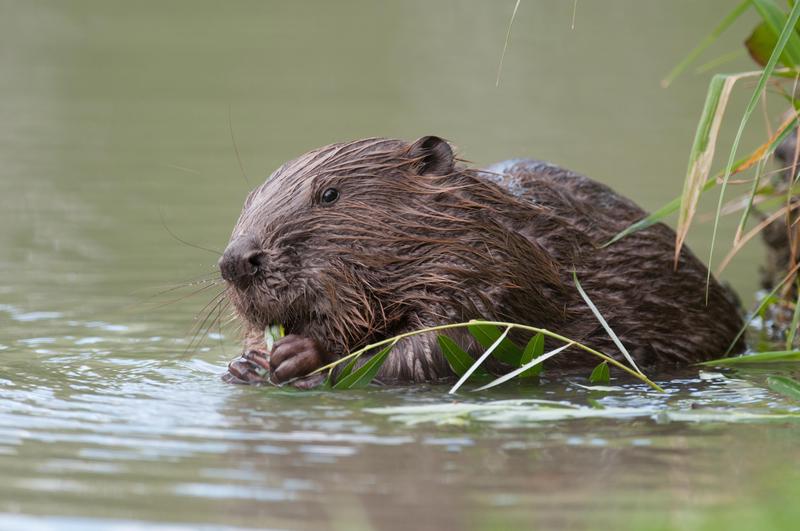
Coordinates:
(181, 240)
(197, 337)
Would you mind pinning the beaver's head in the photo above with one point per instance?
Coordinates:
(356, 240)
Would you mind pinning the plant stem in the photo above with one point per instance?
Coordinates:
(533, 329)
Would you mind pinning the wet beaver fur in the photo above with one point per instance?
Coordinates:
(356, 242)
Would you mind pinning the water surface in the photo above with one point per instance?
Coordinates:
(117, 123)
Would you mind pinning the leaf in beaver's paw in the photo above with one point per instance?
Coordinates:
(272, 334)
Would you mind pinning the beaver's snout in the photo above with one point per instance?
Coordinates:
(241, 261)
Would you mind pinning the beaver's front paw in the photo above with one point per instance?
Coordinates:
(295, 356)
(252, 368)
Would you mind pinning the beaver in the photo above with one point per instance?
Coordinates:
(360, 241)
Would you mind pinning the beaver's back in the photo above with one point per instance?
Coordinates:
(658, 311)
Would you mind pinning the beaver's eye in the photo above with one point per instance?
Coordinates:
(329, 196)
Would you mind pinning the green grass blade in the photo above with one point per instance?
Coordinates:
(787, 32)
(765, 301)
(719, 61)
(776, 19)
(671, 207)
(480, 360)
(506, 351)
(526, 367)
(604, 324)
(362, 376)
(702, 153)
(785, 386)
(726, 22)
(533, 349)
(601, 374)
(459, 361)
(795, 321)
(778, 356)
(753, 192)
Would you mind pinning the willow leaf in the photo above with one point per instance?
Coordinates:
(362, 376)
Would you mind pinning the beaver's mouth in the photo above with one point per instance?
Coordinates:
(293, 315)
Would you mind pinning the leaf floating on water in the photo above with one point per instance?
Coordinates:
(362, 376)
(785, 386)
(601, 374)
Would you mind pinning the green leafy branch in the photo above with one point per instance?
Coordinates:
(492, 336)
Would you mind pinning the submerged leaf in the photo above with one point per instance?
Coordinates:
(601, 374)
(362, 376)
(505, 351)
(785, 386)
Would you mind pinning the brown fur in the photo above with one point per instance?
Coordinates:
(417, 239)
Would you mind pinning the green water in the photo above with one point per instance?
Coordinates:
(114, 114)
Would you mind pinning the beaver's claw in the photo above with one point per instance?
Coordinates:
(251, 368)
(292, 358)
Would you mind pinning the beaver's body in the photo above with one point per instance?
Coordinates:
(413, 239)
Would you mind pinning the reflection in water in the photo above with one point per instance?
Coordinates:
(112, 112)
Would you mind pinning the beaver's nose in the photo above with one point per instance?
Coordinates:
(241, 261)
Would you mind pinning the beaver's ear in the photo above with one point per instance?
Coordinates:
(435, 157)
